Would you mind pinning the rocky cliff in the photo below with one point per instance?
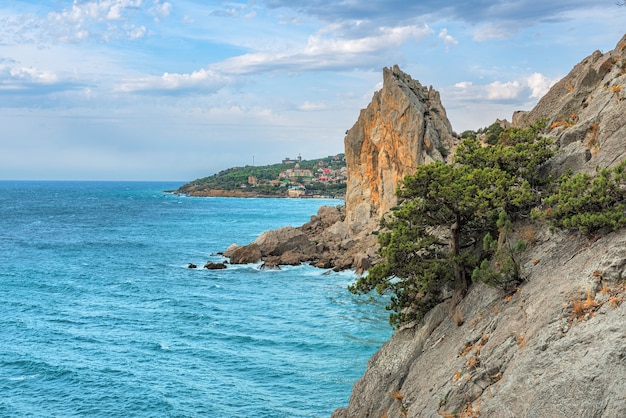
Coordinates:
(557, 346)
(586, 111)
(405, 125)
(554, 348)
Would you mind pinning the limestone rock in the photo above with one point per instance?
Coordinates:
(405, 125)
(244, 254)
(279, 241)
(587, 111)
(524, 355)
(330, 215)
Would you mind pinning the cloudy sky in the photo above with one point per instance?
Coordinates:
(180, 89)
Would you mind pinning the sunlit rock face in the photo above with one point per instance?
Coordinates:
(404, 126)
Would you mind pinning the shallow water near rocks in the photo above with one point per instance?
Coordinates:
(101, 316)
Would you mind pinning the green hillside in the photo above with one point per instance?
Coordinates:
(267, 180)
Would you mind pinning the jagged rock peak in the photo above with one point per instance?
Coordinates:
(405, 125)
(586, 112)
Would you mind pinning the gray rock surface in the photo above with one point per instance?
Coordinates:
(587, 111)
(522, 355)
(556, 347)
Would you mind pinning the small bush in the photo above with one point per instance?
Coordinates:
(528, 234)
(588, 203)
(582, 307)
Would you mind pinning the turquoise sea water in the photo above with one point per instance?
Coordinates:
(100, 316)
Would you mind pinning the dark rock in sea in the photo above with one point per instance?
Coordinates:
(192, 266)
(269, 266)
(214, 266)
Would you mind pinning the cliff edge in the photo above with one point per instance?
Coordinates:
(556, 347)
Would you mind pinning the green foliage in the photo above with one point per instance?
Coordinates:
(493, 133)
(414, 255)
(233, 178)
(589, 203)
(519, 152)
(500, 266)
(469, 134)
(444, 208)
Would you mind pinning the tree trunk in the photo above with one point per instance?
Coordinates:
(460, 279)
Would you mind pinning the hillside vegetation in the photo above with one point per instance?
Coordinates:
(454, 221)
(266, 179)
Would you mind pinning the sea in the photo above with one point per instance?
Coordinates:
(101, 316)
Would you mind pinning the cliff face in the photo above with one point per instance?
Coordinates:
(405, 125)
(548, 350)
(557, 346)
(587, 113)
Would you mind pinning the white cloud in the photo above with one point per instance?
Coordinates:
(137, 32)
(202, 80)
(464, 85)
(533, 86)
(326, 52)
(105, 19)
(161, 10)
(539, 84)
(13, 76)
(489, 32)
(312, 106)
(447, 39)
(503, 91)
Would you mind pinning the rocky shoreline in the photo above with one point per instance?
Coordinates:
(326, 241)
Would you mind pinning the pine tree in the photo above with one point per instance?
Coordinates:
(428, 240)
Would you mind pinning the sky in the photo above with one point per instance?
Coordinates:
(181, 89)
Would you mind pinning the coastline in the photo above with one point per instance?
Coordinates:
(247, 194)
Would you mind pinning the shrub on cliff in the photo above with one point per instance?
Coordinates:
(588, 203)
(427, 241)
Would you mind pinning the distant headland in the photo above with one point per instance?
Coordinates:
(322, 177)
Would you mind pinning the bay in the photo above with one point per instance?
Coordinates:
(101, 316)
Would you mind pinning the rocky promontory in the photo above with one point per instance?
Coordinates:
(404, 125)
(556, 346)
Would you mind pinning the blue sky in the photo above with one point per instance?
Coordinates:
(180, 89)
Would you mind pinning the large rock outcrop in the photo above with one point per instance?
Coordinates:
(557, 346)
(554, 348)
(587, 113)
(404, 126)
